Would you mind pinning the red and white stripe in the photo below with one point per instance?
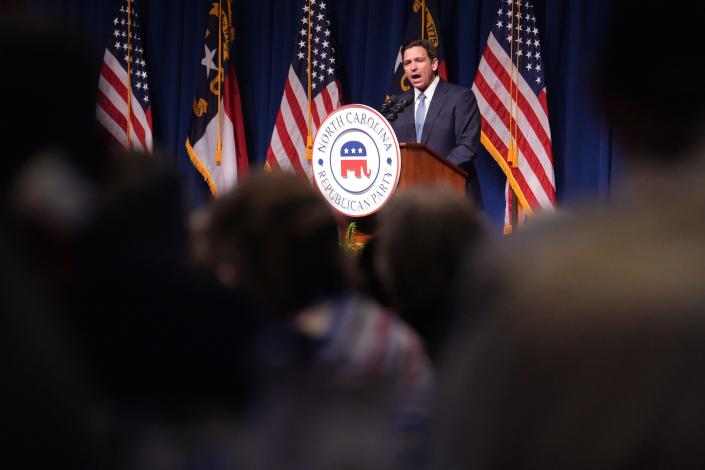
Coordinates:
(287, 150)
(111, 109)
(533, 179)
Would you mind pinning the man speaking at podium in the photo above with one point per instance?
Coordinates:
(443, 116)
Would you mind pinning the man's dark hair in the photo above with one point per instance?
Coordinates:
(425, 43)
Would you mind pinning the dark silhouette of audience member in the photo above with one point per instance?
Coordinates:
(48, 139)
(55, 163)
(155, 350)
(654, 115)
(425, 236)
(277, 239)
(589, 352)
(164, 351)
(657, 120)
(167, 338)
(311, 424)
(273, 235)
(47, 414)
(167, 349)
(51, 106)
(592, 359)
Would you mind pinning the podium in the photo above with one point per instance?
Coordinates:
(420, 165)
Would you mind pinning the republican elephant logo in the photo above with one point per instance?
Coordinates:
(353, 157)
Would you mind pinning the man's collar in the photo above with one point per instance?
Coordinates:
(429, 91)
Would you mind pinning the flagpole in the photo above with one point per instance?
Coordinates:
(515, 156)
(219, 143)
(515, 113)
(423, 18)
(309, 138)
(129, 71)
(512, 150)
(513, 91)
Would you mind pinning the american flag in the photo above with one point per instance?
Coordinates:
(416, 23)
(511, 94)
(123, 88)
(216, 141)
(287, 150)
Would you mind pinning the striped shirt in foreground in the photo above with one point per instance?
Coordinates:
(359, 341)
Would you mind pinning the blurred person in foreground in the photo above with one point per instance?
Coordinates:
(48, 113)
(166, 348)
(45, 402)
(52, 156)
(659, 121)
(595, 360)
(276, 239)
(113, 343)
(48, 138)
(590, 351)
(425, 234)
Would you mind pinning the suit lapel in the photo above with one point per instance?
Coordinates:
(439, 100)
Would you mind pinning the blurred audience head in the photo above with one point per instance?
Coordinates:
(276, 238)
(589, 356)
(646, 88)
(50, 106)
(425, 236)
(143, 215)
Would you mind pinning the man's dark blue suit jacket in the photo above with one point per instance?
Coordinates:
(451, 128)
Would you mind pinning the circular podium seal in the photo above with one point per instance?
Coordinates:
(356, 161)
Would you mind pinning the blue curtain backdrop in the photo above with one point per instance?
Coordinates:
(367, 35)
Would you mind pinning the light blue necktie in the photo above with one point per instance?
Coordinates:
(420, 116)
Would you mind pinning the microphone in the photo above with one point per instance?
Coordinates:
(401, 104)
(387, 106)
(393, 106)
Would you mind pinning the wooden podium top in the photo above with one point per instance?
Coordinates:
(422, 165)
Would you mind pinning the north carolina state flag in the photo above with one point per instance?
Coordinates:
(429, 23)
(216, 141)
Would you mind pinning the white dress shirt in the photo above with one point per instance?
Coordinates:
(429, 91)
